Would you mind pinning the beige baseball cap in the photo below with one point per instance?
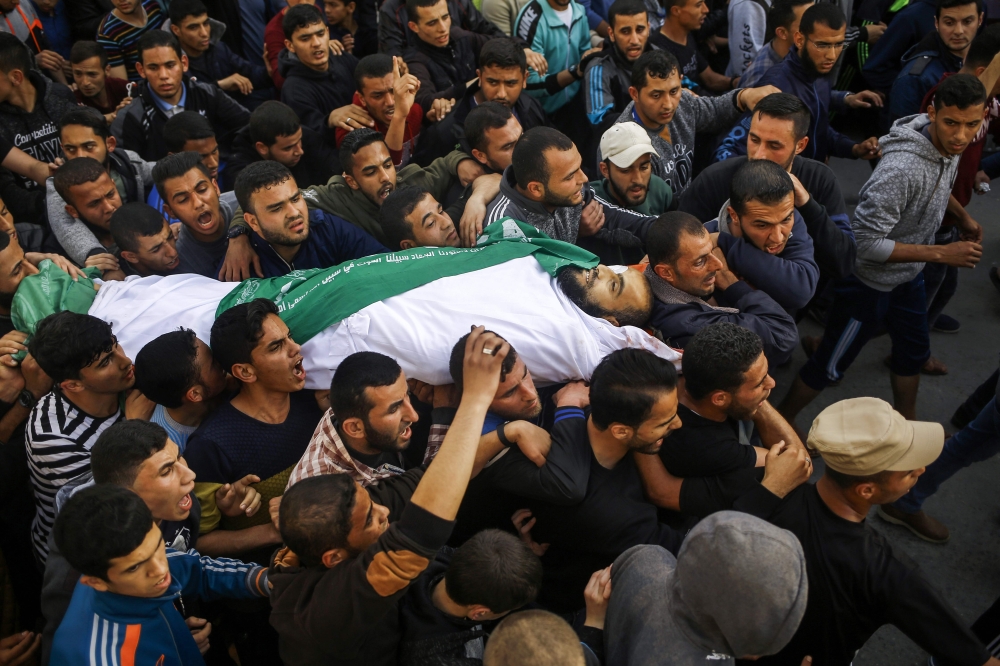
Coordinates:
(624, 143)
(864, 436)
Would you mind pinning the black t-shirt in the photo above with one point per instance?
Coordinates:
(691, 60)
(857, 583)
(703, 447)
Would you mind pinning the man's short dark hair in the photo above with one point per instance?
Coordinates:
(823, 13)
(374, 66)
(181, 9)
(14, 54)
(100, 524)
(186, 126)
(120, 451)
(355, 141)
(625, 8)
(76, 172)
(167, 366)
(485, 117)
(759, 180)
(315, 515)
(135, 220)
(782, 15)
(626, 385)
(65, 343)
(575, 289)
(392, 215)
(657, 64)
(528, 159)
(155, 39)
(504, 53)
(413, 5)
(663, 241)
(456, 362)
(86, 116)
(961, 90)
(258, 176)
(984, 48)
(175, 166)
(494, 569)
(271, 120)
(948, 4)
(237, 331)
(85, 50)
(718, 357)
(300, 16)
(355, 374)
(786, 107)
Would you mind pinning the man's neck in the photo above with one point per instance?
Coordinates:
(837, 500)
(674, 32)
(318, 68)
(444, 603)
(98, 405)
(101, 99)
(193, 52)
(24, 96)
(286, 252)
(189, 414)
(137, 17)
(703, 408)
(781, 47)
(608, 450)
(263, 404)
(557, 7)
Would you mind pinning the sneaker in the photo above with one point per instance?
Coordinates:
(946, 324)
(919, 523)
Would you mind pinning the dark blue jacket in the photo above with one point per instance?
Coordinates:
(789, 278)
(923, 67)
(332, 240)
(907, 28)
(790, 76)
(678, 322)
(219, 62)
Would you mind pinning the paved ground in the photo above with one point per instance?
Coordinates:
(964, 569)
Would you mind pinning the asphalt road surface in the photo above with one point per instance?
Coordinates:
(965, 569)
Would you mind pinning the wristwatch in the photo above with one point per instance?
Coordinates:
(26, 399)
(237, 230)
(502, 436)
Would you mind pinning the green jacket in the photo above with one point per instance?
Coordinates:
(657, 201)
(337, 197)
(538, 26)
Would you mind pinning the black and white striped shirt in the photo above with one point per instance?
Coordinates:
(58, 440)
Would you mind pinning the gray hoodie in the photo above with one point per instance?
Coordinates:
(904, 201)
(737, 588)
(674, 159)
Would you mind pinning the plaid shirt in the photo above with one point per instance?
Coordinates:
(764, 60)
(327, 454)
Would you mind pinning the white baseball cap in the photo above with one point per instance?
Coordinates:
(624, 143)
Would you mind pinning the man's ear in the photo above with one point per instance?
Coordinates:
(251, 219)
(734, 217)
(261, 149)
(633, 93)
(167, 209)
(602, 165)
(801, 145)
(353, 427)
(140, 70)
(666, 272)
(94, 582)
(130, 257)
(800, 40)
(407, 244)
(351, 183)
(176, 29)
(781, 33)
(621, 432)
(334, 556)
(111, 142)
(720, 399)
(866, 491)
(244, 372)
(479, 156)
(478, 613)
(288, 45)
(184, 62)
(72, 211)
(195, 394)
(71, 386)
(931, 114)
(413, 26)
(536, 190)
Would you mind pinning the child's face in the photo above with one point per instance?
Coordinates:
(142, 573)
(336, 11)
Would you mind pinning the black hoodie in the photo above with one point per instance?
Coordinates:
(313, 95)
(443, 70)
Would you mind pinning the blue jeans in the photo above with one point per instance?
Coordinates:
(975, 442)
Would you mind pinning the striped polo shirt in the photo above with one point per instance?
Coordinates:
(120, 39)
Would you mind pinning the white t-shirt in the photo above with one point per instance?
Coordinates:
(565, 15)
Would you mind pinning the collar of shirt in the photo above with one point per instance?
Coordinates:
(166, 107)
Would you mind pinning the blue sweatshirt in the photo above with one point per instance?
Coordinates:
(109, 628)
(789, 277)
(907, 28)
(790, 76)
(923, 67)
(332, 240)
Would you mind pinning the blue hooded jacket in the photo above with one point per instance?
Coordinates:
(790, 76)
(923, 67)
(109, 628)
(332, 240)
(907, 28)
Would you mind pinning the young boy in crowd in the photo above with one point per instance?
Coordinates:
(94, 84)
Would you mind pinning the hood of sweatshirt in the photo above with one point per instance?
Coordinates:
(906, 136)
(728, 563)
(288, 62)
(932, 45)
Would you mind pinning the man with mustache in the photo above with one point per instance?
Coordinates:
(607, 75)
(287, 236)
(627, 168)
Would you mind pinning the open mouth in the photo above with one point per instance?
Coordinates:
(206, 220)
(298, 371)
(406, 434)
(384, 191)
(164, 582)
(185, 503)
(174, 264)
(297, 226)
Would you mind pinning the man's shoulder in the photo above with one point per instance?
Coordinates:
(528, 21)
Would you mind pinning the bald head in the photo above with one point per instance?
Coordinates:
(533, 638)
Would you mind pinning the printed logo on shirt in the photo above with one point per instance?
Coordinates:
(529, 22)
(38, 144)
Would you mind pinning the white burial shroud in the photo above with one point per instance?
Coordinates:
(517, 299)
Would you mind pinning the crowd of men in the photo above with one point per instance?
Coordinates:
(665, 160)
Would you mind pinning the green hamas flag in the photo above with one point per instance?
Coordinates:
(312, 300)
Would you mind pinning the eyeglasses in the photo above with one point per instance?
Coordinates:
(827, 46)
